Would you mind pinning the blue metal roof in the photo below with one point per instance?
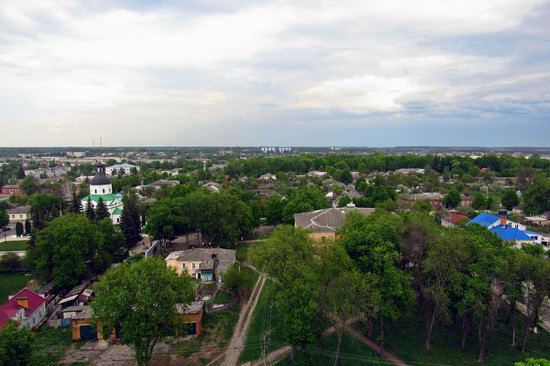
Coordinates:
(510, 233)
(484, 219)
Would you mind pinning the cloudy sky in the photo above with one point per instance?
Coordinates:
(215, 72)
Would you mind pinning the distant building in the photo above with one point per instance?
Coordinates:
(101, 187)
(206, 264)
(316, 174)
(406, 171)
(10, 190)
(435, 199)
(116, 169)
(268, 178)
(324, 223)
(19, 214)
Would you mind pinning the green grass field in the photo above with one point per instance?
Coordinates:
(352, 352)
(242, 252)
(406, 340)
(266, 318)
(49, 345)
(10, 283)
(222, 297)
(14, 245)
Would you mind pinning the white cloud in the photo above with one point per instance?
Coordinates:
(61, 61)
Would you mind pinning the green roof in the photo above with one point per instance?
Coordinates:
(117, 211)
(106, 197)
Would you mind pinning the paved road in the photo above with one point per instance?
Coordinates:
(236, 344)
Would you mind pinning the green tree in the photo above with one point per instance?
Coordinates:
(28, 227)
(452, 199)
(20, 172)
(130, 222)
(101, 210)
(29, 185)
(274, 209)
(10, 262)
(90, 212)
(19, 229)
(238, 281)
(479, 202)
(15, 345)
(344, 201)
(142, 300)
(537, 196)
(509, 198)
(75, 204)
(67, 250)
(533, 362)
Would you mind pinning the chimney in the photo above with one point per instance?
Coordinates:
(503, 221)
(23, 302)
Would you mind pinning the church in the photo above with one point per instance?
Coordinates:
(100, 186)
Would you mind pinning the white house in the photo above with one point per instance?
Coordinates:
(115, 169)
(19, 214)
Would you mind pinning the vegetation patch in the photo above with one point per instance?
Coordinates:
(11, 245)
(10, 283)
(49, 345)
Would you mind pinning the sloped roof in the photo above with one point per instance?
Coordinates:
(203, 254)
(329, 219)
(511, 233)
(10, 308)
(19, 210)
(484, 219)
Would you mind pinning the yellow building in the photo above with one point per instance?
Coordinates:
(206, 264)
(324, 223)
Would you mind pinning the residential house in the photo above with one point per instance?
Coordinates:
(26, 307)
(165, 182)
(466, 201)
(212, 187)
(324, 223)
(205, 264)
(78, 296)
(540, 220)
(268, 178)
(435, 199)
(407, 171)
(19, 214)
(453, 219)
(118, 168)
(509, 230)
(316, 174)
(491, 221)
(192, 316)
(10, 190)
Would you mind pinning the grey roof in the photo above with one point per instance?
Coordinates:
(203, 254)
(193, 308)
(329, 219)
(100, 179)
(19, 210)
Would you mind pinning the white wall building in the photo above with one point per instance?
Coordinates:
(101, 188)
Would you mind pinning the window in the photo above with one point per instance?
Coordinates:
(183, 266)
(20, 216)
(118, 220)
(193, 265)
(95, 190)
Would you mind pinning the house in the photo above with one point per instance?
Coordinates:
(453, 219)
(118, 168)
(19, 214)
(78, 296)
(82, 328)
(205, 264)
(324, 223)
(539, 238)
(407, 171)
(491, 221)
(164, 182)
(509, 233)
(191, 316)
(466, 201)
(436, 199)
(268, 178)
(316, 174)
(26, 307)
(541, 220)
(10, 190)
(212, 187)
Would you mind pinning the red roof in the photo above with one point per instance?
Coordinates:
(457, 218)
(9, 309)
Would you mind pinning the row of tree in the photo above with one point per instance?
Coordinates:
(386, 267)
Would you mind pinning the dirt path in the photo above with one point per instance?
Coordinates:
(236, 344)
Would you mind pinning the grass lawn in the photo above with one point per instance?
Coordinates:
(406, 340)
(49, 345)
(10, 283)
(222, 297)
(265, 318)
(14, 245)
(352, 352)
(242, 252)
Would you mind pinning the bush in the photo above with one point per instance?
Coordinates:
(10, 262)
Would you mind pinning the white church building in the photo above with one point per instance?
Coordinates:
(101, 187)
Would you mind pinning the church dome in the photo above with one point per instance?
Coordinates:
(99, 180)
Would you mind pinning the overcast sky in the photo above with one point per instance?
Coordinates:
(364, 72)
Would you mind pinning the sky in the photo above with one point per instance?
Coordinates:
(278, 73)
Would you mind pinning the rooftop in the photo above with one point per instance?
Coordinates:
(328, 219)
